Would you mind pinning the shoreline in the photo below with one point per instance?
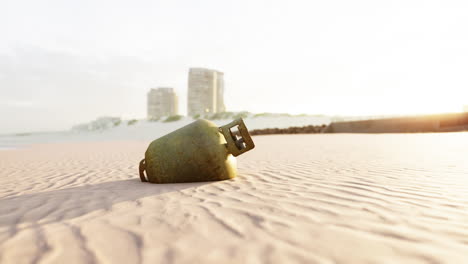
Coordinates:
(442, 123)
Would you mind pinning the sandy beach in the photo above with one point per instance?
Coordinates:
(399, 198)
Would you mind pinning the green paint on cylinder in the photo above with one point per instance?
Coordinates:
(199, 151)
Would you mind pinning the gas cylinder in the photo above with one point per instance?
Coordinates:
(200, 151)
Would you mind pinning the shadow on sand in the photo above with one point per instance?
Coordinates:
(59, 205)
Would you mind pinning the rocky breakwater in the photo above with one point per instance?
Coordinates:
(290, 130)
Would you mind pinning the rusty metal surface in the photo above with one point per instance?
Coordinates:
(196, 152)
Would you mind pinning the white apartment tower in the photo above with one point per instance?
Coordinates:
(162, 101)
(205, 91)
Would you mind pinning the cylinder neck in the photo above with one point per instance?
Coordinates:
(238, 140)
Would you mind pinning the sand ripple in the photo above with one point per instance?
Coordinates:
(298, 199)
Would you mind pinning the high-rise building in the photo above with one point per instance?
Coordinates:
(162, 102)
(205, 91)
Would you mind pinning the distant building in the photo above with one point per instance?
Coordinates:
(205, 91)
(162, 102)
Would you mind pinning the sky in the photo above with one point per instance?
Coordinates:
(66, 62)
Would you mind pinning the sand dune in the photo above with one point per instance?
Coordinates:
(297, 199)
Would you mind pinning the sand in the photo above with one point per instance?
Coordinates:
(298, 199)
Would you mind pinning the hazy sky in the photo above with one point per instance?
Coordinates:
(66, 62)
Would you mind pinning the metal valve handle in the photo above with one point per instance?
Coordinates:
(237, 145)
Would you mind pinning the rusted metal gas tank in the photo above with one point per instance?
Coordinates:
(200, 151)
